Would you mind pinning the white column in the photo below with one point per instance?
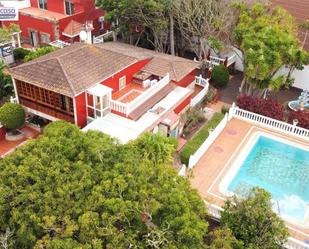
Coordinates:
(18, 39)
(15, 90)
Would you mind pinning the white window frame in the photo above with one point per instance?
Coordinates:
(72, 10)
(44, 4)
(122, 82)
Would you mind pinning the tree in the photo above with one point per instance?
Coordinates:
(74, 189)
(220, 75)
(223, 238)
(204, 22)
(150, 15)
(39, 52)
(7, 31)
(253, 221)
(268, 40)
(12, 116)
(6, 86)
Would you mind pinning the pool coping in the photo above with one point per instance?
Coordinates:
(209, 188)
(241, 157)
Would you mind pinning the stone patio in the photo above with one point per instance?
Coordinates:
(231, 91)
(6, 147)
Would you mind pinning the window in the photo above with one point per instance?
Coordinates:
(69, 7)
(43, 4)
(45, 38)
(122, 82)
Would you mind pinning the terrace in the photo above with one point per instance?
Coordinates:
(215, 164)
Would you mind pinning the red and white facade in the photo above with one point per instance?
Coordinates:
(124, 104)
(44, 21)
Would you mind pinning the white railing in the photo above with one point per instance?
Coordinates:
(100, 38)
(199, 80)
(205, 84)
(231, 60)
(151, 91)
(126, 108)
(119, 107)
(268, 122)
(215, 211)
(208, 142)
(216, 60)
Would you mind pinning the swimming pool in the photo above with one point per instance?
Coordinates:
(278, 166)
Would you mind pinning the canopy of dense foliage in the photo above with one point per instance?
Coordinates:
(70, 189)
(7, 31)
(6, 86)
(253, 222)
(38, 52)
(268, 39)
(12, 116)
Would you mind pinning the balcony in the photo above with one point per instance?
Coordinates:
(63, 115)
(133, 96)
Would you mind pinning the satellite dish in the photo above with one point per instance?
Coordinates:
(83, 35)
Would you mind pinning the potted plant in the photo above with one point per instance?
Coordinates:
(12, 117)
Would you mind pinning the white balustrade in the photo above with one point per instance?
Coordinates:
(126, 108)
(268, 122)
(205, 84)
(199, 80)
(208, 142)
(119, 107)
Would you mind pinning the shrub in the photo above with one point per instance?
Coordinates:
(301, 116)
(192, 146)
(252, 220)
(210, 96)
(265, 107)
(20, 53)
(191, 118)
(225, 109)
(220, 75)
(12, 116)
(39, 52)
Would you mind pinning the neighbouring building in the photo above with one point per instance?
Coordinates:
(116, 88)
(45, 21)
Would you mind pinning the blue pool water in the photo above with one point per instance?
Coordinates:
(281, 169)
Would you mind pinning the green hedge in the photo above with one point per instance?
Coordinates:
(197, 140)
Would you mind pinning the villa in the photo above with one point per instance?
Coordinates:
(119, 89)
(42, 22)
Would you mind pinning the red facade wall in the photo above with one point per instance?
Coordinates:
(28, 22)
(113, 82)
(84, 10)
(188, 79)
(81, 114)
(2, 133)
(183, 105)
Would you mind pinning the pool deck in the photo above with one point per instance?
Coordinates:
(217, 160)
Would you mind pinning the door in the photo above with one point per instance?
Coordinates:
(34, 38)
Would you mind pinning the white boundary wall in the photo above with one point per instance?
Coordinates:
(257, 119)
(235, 112)
(208, 142)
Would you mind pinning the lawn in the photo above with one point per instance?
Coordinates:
(197, 140)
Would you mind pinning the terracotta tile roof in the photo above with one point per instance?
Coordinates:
(73, 69)
(161, 64)
(72, 29)
(143, 108)
(42, 14)
(300, 10)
